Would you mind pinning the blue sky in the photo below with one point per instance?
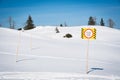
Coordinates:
(55, 12)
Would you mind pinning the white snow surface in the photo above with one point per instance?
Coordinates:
(43, 50)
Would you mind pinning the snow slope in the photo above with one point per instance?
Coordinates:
(44, 50)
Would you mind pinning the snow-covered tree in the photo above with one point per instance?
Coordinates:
(29, 24)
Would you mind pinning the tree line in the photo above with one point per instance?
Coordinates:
(92, 21)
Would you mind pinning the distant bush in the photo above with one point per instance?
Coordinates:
(68, 36)
(19, 29)
(61, 25)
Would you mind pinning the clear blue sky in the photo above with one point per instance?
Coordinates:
(55, 12)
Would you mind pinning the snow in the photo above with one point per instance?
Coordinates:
(42, 50)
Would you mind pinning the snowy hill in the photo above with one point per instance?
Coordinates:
(43, 50)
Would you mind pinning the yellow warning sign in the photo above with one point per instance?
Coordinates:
(88, 33)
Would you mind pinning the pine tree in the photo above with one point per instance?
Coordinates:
(102, 22)
(29, 24)
(91, 21)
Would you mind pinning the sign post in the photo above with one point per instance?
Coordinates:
(88, 34)
(18, 45)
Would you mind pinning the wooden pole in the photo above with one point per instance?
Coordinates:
(18, 46)
(87, 58)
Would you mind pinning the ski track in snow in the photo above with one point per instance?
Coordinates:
(32, 57)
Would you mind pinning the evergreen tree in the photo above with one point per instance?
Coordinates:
(102, 22)
(91, 21)
(29, 24)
